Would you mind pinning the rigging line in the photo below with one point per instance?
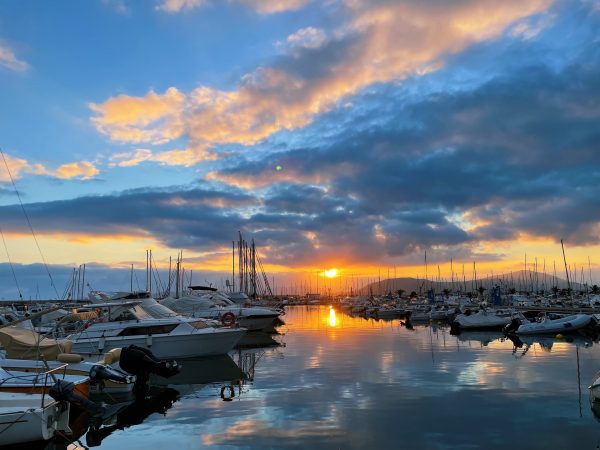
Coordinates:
(29, 223)
(12, 269)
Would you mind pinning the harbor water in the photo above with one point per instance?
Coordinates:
(332, 381)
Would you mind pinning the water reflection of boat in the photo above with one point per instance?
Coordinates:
(546, 342)
(205, 370)
(481, 337)
(258, 339)
(159, 400)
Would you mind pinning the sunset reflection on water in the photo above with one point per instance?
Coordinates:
(348, 382)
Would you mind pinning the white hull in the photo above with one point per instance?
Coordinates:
(216, 342)
(479, 322)
(549, 326)
(23, 419)
(487, 318)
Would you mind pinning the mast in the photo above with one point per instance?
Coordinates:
(566, 268)
(232, 266)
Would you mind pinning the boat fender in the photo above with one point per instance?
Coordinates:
(101, 342)
(69, 358)
(149, 340)
(228, 319)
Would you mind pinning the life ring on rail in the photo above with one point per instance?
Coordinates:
(228, 319)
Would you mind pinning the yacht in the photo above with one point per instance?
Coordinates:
(123, 323)
(217, 306)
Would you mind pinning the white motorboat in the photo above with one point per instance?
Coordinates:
(486, 318)
(554, 326)
(31, 417)
(216, 306)
(104, 379)
(126, 323)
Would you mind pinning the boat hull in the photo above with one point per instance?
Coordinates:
(23, 419)
(548, 326)
(216, 342)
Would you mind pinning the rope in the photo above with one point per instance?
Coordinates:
(29, 223)
(12, 269)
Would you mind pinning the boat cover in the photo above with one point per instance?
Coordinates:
(21, 343)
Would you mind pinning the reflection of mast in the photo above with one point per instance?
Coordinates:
(578, 380)
(247, 362)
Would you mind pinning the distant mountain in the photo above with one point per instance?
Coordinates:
(522, 281)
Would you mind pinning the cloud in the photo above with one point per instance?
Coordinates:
(380, 43)
(175, 6)
(260, 6)
(18, 167)
(275, 6)
(177, 157)
(83, 170)
(9, 61)
(308, 37)
(153, 118)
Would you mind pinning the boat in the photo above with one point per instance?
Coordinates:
(547, 325)
(104, 379)
(26, 418)
(126, 323)
(486, 319)
(216, 306)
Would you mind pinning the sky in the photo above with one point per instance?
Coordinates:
(346, 134)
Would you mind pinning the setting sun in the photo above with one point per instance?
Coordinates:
(331, 273)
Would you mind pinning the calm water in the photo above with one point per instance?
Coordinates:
(351, 383)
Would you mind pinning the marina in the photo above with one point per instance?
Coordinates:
(366, 224)
(330, 380)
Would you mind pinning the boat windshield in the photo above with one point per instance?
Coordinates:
(133, 313)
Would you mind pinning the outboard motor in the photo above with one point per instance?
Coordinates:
(100, 373)
(454, 328)
(140, 362)
(513, 326)
(65, 391)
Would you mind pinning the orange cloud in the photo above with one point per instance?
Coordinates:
(176, 157)
(82, 170)
(10, 61)
(260, 6)
(275, 6)
(153, 118)
(391, 41)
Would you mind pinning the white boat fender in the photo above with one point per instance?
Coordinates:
(101, 342)
(149, 340)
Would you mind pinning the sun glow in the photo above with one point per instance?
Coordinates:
(331, 273)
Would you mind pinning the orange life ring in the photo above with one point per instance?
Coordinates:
(228, 319)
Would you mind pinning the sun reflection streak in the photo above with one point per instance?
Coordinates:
(332, 318)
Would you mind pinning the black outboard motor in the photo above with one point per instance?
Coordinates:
(100, 373)
(454, 328)
(65, 391)
(140, 362)
(513, 326)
